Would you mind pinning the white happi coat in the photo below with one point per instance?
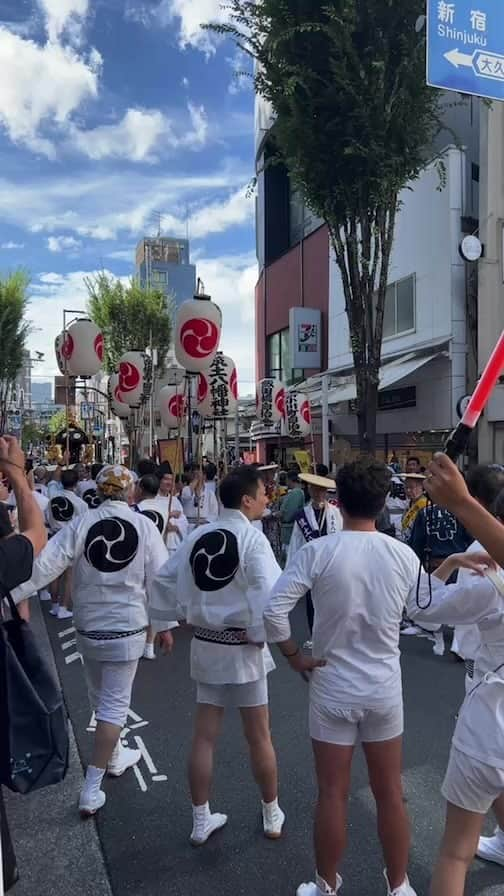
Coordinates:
(208, 507)
(115, 553)
(161, 511)
(334, 524)
(62, 508)
(220, 579)
(474, 601)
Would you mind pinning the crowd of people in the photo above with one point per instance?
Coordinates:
(133, 555)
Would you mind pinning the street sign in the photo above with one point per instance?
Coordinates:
(465, 46)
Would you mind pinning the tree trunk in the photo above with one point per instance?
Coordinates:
(367, 406)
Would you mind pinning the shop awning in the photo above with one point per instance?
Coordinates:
(390, 375)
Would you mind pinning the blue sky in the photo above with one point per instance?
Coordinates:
(112, 111)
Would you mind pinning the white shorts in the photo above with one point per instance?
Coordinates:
(470, 784)
(109, 687)
(345, 725)
(232, 696)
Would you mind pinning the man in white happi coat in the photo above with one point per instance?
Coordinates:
(167, 515)
(64, 506)
(219, 582)
(115, 553)
(199, 502)
(317, 519)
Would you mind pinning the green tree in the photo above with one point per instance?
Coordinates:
(14, 330)
(354, 125)
(129, 317)
(32, 434)
(57, 422)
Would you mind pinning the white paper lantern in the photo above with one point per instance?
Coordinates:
(135, 378)
(117, 404)
(172, 406)
(58, 351)
(298, 413)
(218, 389)
(197, 334)
(270, 401)
(83, 348)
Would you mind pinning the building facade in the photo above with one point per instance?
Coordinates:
(164, 263)
(430, 328)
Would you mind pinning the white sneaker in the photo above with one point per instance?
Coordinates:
(90, 802)
(148, 653)
(273, 820)
(491, 849)
(63, 613)
(124, 760)
(54, 610)
(44, 595)
(404, 890)
(439, 644)
(205, 824)
(318, 889)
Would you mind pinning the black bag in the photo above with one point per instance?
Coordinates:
(33, 716)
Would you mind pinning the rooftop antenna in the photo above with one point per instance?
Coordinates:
(159, 218)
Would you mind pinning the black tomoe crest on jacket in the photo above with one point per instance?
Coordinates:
(62, 509)
(155, 517)
(111, 544)
(215, 560)
(91, 498)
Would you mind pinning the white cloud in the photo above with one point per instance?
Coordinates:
(11, 245)
(189, 16)
(105, 206)
(217, 217)
(41, 85)
(63, 243)
(64, 15)
(140, 133)
(185, 83)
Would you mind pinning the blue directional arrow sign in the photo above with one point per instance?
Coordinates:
(465, 46)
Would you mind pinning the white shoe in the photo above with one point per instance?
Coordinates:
(54, 610)
(273, 820)
(63, 613)
(439, 644)
(491, 849)
(205, 824)
(148, 653)
(404, 890)
(44, 595)
(318, 889)
(124, 760)
(308, 645)
(90, 802)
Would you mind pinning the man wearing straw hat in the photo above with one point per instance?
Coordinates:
(317, 519)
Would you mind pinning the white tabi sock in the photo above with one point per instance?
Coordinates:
(270, 807)
(94, 777)
(201, 811)
(324, 887)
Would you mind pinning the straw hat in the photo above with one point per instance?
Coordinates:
(317, 481)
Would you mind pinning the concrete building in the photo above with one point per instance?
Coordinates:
(164, 263)
(430, 332)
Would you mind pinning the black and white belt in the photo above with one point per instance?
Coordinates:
(233, 637)
(111, 636)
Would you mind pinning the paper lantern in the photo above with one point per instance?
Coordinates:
(82, 348)
(197, 334)
(58, 351)
(117, 404)
(172, 406)
(298, 413)
(218, 389)
(135, 378)
(270, 401)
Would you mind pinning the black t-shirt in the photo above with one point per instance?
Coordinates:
(16, 561)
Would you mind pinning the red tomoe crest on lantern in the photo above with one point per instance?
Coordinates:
(172, 406)
(129, 377)
(233, 383)
(58, 351)
(197, 334)
(117, 403)
(305, 411)
(203, 388)
(280, 402)
(135, 370)
(67, 347)
(99, 346)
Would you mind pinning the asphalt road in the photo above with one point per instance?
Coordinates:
(145, 825)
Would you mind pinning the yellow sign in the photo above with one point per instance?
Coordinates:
(304, 459)
(172, 450)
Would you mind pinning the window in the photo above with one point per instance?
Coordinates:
(399, 316)
(159, 276)
(278, 357)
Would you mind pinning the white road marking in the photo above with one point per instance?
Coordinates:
(146, 755)
(67, 631)
(92, 723)
(138, 725)
(72, 658)
(134, 715)
(140, 778)
(160, 778)
(68, 644)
